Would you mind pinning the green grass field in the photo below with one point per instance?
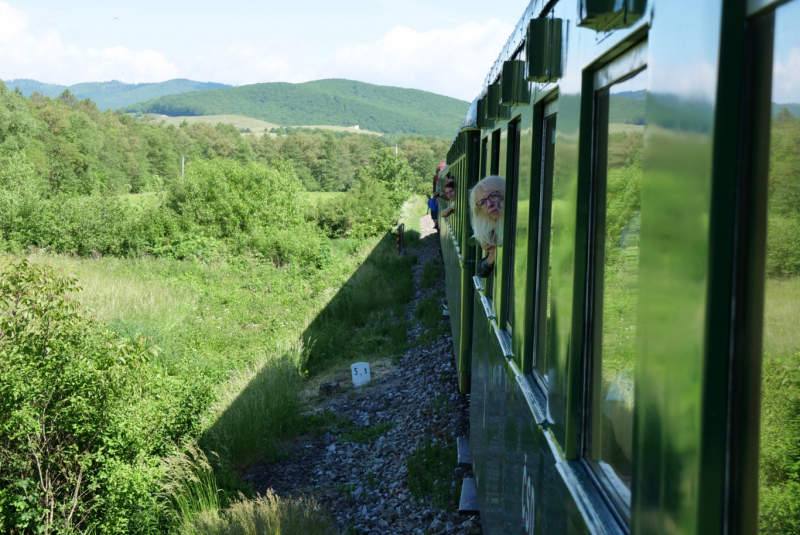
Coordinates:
(257, 126)
(239, 121)
(317, 197)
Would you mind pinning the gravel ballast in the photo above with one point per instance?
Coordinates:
(363, 482)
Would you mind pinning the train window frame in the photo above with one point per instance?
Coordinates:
(494, 163)
(749, 297)
(626, 66)
(484, 155)
(512, 186)
(547, 112)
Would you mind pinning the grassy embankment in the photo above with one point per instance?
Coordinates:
(232, 334)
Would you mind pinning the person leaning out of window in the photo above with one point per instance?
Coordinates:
(487, 201)
(450, 195)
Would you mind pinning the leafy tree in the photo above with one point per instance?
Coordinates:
(17, 127)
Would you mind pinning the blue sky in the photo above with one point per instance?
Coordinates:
(444, 46)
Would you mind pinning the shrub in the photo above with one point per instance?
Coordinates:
(365, 211)
(302, 243)
(61, 378)
(783, 247)
(779, 471)
(225, 197)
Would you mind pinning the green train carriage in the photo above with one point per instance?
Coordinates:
(614, 356)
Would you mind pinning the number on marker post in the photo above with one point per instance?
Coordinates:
(360, 373)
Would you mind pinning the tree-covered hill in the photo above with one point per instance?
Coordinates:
(114, 94)
(390, 110)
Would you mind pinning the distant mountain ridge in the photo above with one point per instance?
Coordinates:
(335, 102)
(114, 94)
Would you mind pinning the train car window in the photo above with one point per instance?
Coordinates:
(496, 152)
(543, 314)
(484, 156)
(780, 404)
(619, 143)
(511, 207)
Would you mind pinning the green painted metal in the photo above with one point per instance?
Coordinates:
(543, 50)
(515, 90)
(605, 15)
(702, 221)
(458, 256)
(494, 111)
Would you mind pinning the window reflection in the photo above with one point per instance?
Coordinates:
(620, 135)
(779, 476)
(547, 327)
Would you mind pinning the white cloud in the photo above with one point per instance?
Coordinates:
(250, 62)
(786, 79)
(12, 22)
(691, 81)
(45, 57)
(447, 61)
(451, 61)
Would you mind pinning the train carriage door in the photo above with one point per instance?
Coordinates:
(613, 274)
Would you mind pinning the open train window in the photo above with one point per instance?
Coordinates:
(512, 184)
(544, 317)
(613, 275)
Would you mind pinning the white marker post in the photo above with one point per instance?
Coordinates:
(360, 373)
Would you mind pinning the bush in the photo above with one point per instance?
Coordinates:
(225, 197)
(61, 378)
(223, 207)
(365, 211)
(779, 471)
(783, 247)
(302, 243)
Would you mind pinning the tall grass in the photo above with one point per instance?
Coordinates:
(267, 515)
(257, 407)
(431, 471)
(366, 317)
(429, 311)
(190, 485)
(779, 467)
(781, 317)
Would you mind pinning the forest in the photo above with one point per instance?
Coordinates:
(158, 328)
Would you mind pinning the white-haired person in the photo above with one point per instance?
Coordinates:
(487, 199)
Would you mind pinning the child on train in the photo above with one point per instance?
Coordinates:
(450, 195)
